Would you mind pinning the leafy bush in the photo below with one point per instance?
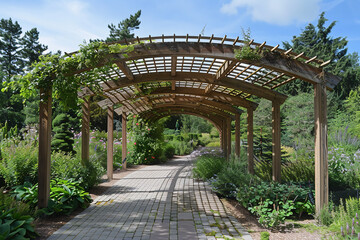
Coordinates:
(206, 166)
(147, 145)
(344, 166)
(324, 216)
(301, 170)
(66, 167)
(214, 143)
(232, 176)
(264, 235)
(19, 161)
(273, 201)
(15, 219)
(181, 147)
(169, 151)
(65, 196)
(272, 214)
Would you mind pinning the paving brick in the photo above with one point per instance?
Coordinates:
(156, 202)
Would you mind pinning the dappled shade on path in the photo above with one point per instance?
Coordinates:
(155, 202)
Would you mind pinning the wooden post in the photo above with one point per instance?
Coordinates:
(110, 142)
(321, 148)
(228, 123)
(276, 142)
(124, 139)
(85, 132)
(221, 139)
(237, 134)
(250, 140)
(225, 138)
(44, 160)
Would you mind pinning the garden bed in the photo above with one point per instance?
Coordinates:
(290, 230)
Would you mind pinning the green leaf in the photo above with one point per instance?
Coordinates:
(4, 230)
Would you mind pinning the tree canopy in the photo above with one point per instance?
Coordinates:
(317, 41)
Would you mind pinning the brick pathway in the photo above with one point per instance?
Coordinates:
(156, 202)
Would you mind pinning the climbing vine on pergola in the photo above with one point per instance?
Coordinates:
(210, 77)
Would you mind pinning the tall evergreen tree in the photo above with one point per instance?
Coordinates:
(10, 64)
(317, 41)
(16, 52)
(124, 28)
(31, 47)
(10, 48)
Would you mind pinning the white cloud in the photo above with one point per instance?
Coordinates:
(75, 7)
(279, 12)
(62, 24)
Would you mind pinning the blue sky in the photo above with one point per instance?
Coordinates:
(64, 24)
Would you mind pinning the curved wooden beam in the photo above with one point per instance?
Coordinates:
(278, 62)
(218, 96)
(206, 112)
(184, 100)
(169, 107)
(194, 77)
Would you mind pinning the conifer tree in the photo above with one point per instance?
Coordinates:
(31, 47)
(16, 52)
(124, 28)
(63, 138)
(317, 41)
(10, 48)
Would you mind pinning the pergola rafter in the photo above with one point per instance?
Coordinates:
(201, 76)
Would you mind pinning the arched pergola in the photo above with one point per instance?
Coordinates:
(200, 76)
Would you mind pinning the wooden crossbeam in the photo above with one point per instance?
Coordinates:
(220, 105)
(209, 88)
(173, 66)
(225, 69)
(125, 69)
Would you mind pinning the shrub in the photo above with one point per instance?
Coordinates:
(65, 196)
(169, 151)
(181, 147)
(15, 219)
(273, 202)
(232, 176)
(63, 138)
(214, 143)
(179, 138)
(19, 161)
(147, 145)
(301, 170)
(66, 167)
(206, 166)
(169, 137)
(272, 214)
(324, 217)
(264, 235)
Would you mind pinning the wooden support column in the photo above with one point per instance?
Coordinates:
(228, 124)
(321, 148)
(250, 140)
(237, 134)
(276, 142)
(44, 160)
(124, 140)
(110, 143)
(85, 132)
(224, 135)
(221, 139)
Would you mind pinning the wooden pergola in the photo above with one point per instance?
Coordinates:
(200, 76)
